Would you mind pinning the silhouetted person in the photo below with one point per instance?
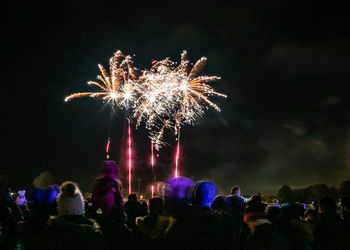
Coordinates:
(200, 227)
(147, 225)
(264, 235)
(40, 212)
(7, 220)
(71, 229)
(345, 207)
(51, 196)
(222, 208)
(221, 205)
(261, 229)
(273, 214)
(297, 231)
(107, 205)
(106, 196)
(330, 229)
(237, 202)
(133, 209)
(311, 216)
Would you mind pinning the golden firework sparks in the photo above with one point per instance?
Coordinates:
(173, 95)
(119, 86)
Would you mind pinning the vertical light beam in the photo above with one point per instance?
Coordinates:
(152, 165)
(152, 156)
(129, 156)
(177, 156)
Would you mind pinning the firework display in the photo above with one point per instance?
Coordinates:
(173, 95)
(119, 86)
(166, 96)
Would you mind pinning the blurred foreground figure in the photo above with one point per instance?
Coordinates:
(7, 220)
(345, 206)
(147, 224)
(43, 206)
(293, 228)
(197, 226)
(133, 209)
(71, 229)
(330, 230)
(264, 235)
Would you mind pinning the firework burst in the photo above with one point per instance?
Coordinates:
(166, 96)
(173, 95)
(119, 86)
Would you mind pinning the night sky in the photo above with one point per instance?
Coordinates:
(284, 66)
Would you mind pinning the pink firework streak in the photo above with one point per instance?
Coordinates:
(152, 164)
(152, 156)
(129, 155)
(177, 156)
(107, 147)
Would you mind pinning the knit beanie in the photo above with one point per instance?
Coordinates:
(70, 200)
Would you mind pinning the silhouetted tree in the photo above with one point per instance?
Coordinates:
(43, 180)
(319, 191)
(285, 193)
(344, 189)
(333, 193)
(300, 195)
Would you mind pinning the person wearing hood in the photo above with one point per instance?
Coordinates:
(107, 205)
(106, 196)
(70, 229)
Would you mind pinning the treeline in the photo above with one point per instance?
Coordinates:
(313, 193)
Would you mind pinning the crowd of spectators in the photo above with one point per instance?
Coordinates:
(189, 215)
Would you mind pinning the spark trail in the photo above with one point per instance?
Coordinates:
(119, 86)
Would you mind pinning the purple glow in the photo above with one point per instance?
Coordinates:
(204, 193)
(178, 188)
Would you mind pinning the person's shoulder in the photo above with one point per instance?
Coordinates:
(106, 180)
(74, 223)
(236, 200)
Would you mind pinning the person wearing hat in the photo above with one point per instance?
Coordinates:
(70, 229)
(107, 204)
(106, 196)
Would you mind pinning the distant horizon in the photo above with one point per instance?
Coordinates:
(273, 189)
